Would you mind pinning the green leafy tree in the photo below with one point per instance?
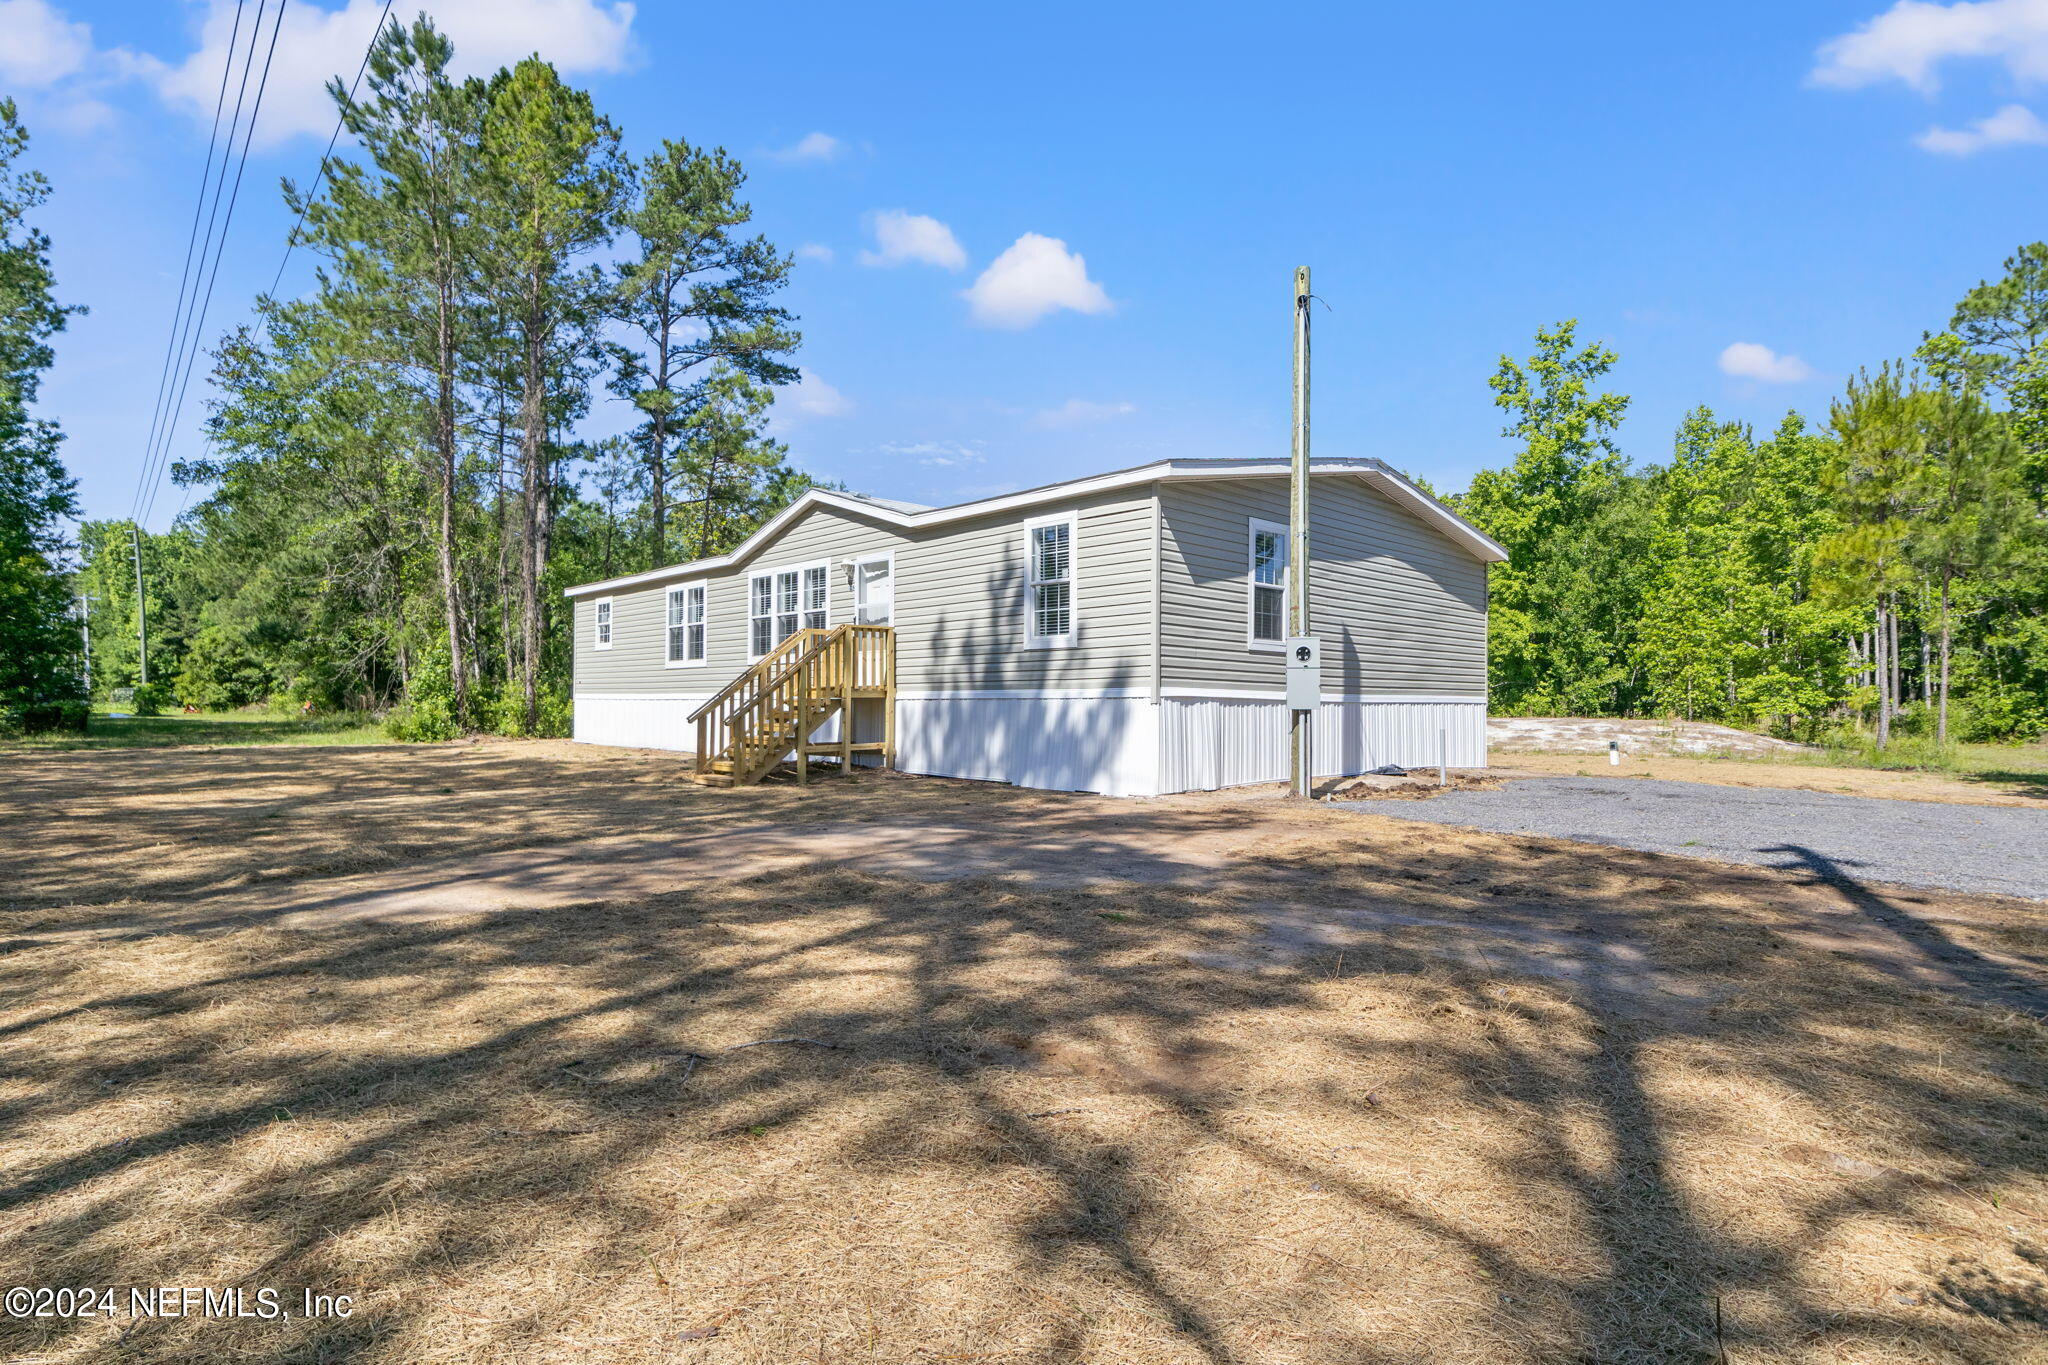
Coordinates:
(1997, 341)
(318, 535)
(1562, 629)
(171, 592)
(39, 641)
(1731, 628)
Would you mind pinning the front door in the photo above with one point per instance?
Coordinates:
(874, 594)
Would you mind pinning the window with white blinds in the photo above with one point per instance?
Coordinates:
(781, 602)
(1267, 582)
(686, 622)
(1049, 610)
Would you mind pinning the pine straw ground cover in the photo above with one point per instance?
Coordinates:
(1371, 1092)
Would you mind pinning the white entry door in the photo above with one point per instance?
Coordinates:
(874, 594)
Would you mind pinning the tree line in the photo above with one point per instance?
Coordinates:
(1884, 570)
(392, 493)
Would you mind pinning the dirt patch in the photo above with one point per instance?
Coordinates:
(1898, 786)
(1340, 1088)
(1420, 787)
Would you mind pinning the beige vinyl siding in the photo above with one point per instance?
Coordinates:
(959, 605)
(1401, 609)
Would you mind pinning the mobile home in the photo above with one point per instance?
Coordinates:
(1119, 634)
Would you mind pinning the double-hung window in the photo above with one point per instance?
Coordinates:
(601, 619)
(1267, 610)
(686, 625)
(760, 614)
(814, 597)
(781, 602)
(1049, 608)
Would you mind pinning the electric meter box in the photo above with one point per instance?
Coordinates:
(1304, 673)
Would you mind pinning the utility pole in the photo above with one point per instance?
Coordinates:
(1302, 723)
(141, 602)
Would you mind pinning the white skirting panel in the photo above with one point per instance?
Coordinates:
(637, 722)
(661, 722)
(1117, 745)
(1209, 742)
(1095, 744)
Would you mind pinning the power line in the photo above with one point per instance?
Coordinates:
(209, 245)
(185, 271)
(220, 243)
(292, 238)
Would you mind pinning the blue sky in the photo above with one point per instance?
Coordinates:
(1043, 242)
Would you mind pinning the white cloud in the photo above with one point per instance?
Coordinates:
(2013, 126)
(1036, 276)
(79, 116)
(813, 397)
(935, 454)
(1910, 41)
(1751, 360)
(315, 44)
(901, 237)
(39, 46)
(814, 251)
(1077, 411)
(812, 147)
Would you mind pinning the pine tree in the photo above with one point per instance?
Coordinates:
(1966, 504)
(551, 189)
(397, 231)
(697, 294)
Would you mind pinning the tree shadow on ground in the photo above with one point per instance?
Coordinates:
(1487, 1100)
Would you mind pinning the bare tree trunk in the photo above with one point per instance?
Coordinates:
(534, 499)
(1881, 665)
(704, 521)
(1892, 648)
(444, 440)
(505, 641)
(1941, 723)
(657, 456)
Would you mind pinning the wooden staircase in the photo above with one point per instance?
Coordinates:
(767, 715)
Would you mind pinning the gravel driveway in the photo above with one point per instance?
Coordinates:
(1914, 843)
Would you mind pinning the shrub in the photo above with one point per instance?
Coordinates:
(428, 712)
(66, 717)
(506, 713)
(424, 721)
(47, 717)
(151, 700)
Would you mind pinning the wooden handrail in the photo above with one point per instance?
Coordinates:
(824, 668)
(741, 681)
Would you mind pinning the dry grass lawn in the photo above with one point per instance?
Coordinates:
(1355, 1090)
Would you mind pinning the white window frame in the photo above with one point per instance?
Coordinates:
(604, 623)
(824, 566)
(1252, 585)
(702, 587)
(857, 563)
(1032, 639)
